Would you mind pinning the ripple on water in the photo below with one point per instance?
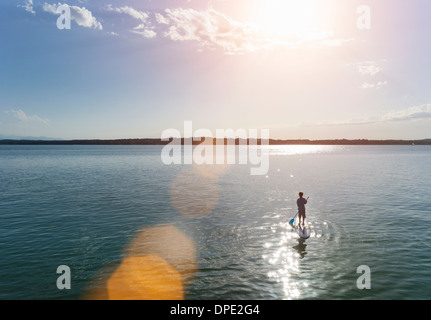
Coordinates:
(308, 268)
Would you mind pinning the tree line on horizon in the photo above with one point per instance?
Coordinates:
(238, 141)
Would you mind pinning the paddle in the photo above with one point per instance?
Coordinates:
(293, 219)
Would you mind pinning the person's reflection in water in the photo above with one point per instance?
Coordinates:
(300, 248)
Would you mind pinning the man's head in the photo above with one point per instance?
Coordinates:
(301, 194)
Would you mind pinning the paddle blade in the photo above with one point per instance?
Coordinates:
(292, 221)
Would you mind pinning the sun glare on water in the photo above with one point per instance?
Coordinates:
(296, 18)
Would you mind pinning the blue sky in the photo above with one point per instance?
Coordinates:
(131, 69)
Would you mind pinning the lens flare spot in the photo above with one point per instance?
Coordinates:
(145, 278)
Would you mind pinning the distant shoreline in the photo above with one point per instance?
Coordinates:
(271, 142)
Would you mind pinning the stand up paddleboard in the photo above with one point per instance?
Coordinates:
(303, 233)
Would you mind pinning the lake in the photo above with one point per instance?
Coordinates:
(223, 232)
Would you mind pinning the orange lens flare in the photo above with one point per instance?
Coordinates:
(145, 278)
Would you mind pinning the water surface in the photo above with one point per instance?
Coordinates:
(82, 206)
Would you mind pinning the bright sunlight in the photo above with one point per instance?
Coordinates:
(295, 18)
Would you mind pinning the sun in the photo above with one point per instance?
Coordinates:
(293, 18)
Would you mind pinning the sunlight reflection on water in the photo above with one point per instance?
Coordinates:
(284, 255)
(298, 149)
(285, 260)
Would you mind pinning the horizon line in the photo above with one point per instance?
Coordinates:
(159, 141)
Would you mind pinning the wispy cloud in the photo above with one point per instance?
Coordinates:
(28, 6)
(377, 85)
(22, 116)
(137, 14)
(209, 28)
(144, 31)
(422, 112)
(161, 19)
(144, 28)
(413, 113)
(213, 29)
(82, 16)
(370, 69)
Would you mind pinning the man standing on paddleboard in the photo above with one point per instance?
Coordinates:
(301, 202)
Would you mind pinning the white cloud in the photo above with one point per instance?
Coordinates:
(422, 112)
(22, 116)
(144, 28)
(144, 31)
(161, 19)
(369, 68)
(139, 15)
(211, 28)
(413, 113)
(28, 6)
(377, 85)
(334, 42)
(214, 29)
(82, 16)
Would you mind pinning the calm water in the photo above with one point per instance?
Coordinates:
(81, 206)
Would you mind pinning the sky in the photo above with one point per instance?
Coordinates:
(306, 69)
